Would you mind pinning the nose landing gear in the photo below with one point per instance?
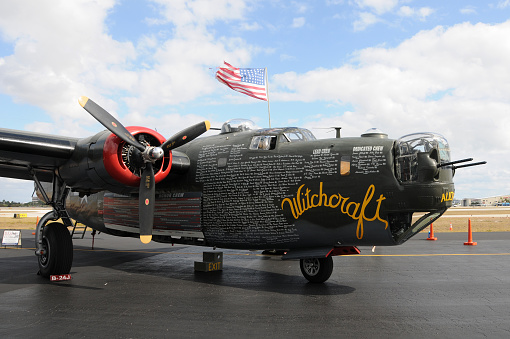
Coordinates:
(317, 270)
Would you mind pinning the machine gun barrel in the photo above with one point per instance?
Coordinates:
(454, 162)
(473, 164)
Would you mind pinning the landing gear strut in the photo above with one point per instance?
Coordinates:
(317, 270)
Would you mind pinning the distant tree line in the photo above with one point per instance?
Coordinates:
(6, 203)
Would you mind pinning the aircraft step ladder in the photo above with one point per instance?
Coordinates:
(66, 219)
(82, 229)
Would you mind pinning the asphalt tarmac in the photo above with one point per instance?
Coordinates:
(124, 289)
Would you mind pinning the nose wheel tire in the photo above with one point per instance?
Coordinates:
(57, 255)
(316, 270)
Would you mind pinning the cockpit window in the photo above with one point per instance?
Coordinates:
(294, 136)
(263, 142)
(283, 135)
(309, 135)
(407, 148)
(297, 134)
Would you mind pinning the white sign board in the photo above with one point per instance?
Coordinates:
(11, 238)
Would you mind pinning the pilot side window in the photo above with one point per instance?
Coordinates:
(263, 142)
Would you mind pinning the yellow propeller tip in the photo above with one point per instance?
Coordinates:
(83, 100)
(146, 238)
(207, 125)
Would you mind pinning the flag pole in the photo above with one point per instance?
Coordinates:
(267, 96)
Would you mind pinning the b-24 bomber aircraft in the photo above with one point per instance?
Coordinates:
(275, 189)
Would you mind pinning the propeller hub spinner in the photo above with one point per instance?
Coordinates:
(152, 154)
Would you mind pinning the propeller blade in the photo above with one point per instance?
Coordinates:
(108, 121)
(186, 135)
(147, 201)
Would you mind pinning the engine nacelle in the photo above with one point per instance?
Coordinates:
(105, 162)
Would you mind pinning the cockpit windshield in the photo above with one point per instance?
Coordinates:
(296, 134)
(408, 147)
(237, 125)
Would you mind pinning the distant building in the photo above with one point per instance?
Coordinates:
(457, 202)
(500, 200)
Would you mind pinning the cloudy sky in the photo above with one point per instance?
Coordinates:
(402, 66)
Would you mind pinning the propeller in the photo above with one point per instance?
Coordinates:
(146, 203)
(183, 136)
(150, 154)
(108, 121)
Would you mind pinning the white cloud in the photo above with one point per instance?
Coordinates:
(379, 6)
(299, 7)
(468, 10)
(298, 22)
(60, 53)
(503, 4)
(63, 51)
(192, 13)
(393, 89)
(406, 11)
(387, 11)
(250, 27)
(365, 19)
(420, 13)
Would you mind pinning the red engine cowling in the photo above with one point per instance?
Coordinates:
(105, 162)
(118, 159)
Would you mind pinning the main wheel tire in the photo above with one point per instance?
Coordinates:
(57, 256)
(316, 270)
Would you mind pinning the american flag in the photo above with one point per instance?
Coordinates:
(249, 81)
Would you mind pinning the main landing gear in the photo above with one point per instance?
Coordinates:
(54, 245)
(57, 250)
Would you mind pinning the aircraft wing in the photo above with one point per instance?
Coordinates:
(21, 151)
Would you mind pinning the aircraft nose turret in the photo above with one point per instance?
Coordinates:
(427, 166)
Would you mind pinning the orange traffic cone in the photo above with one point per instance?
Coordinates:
(431, 234)
(36, 222)
(470, 235)
(451, 228)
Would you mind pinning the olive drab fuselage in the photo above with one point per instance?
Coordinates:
(283, 189)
